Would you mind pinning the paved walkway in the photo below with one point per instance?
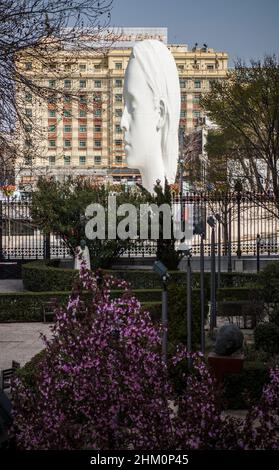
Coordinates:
(11, 285)
(20, 342)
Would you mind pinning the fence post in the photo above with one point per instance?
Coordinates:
(47, 246)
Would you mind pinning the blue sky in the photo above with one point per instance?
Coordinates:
(243, 28)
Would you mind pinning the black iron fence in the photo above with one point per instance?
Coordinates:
(245, 223)
(21, 239)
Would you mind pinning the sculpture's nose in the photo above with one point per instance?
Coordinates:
(124, 120)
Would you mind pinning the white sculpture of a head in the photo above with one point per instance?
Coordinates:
(151, 114)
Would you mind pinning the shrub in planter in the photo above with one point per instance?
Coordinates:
(267, 337)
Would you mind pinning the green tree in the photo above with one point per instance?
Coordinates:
(59, 208)
(245, 108)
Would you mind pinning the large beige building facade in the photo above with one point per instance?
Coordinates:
(80, 133)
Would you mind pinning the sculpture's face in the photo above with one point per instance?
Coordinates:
(140, 118)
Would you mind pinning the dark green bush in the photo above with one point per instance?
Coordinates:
(246, 386)
(28, 373)
(267, 337)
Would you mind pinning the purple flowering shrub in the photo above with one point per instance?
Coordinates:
(102, 385)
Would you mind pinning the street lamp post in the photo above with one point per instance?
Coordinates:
(211, 223)
(161, 269)
(238, 189)
(218, 218)
(200, 230)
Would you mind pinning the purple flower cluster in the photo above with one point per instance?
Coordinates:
(102, 385)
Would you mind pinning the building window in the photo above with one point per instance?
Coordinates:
(97, 128)
(52, 128)
(51, 99)
(67, 84)
(196, 98)
(118, 112)
(118, 128)
(97, 98)
(51, 83)
(183, 97)
(182, 83)
(118, 142)
(197, 84)
(28, 97)
(82, 160)
(97, 112)
(52, 143)
(183, 113)
(118, 159)
(28, 112)
(28, 128)
(82, 128)
(82, 98)
(97, 159)
(97, 66)
(82, 83)
(98, 84)
(51, 113)
(82, 143)
(82, 67)
(196, 114)
(118, 65)
(28, 160)
(97, 143)
(67, 98)
(118, 98)
(51, 160)
(67, 160)
(118, 83)
(210, 66)
(67, 128)
(67, 143)
(28, 65)
(67, 113)
(82, 113)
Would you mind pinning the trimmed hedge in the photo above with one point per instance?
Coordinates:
(246, 386)
(28, 306)
(38, 276)
(239, 293)
(42, 276)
